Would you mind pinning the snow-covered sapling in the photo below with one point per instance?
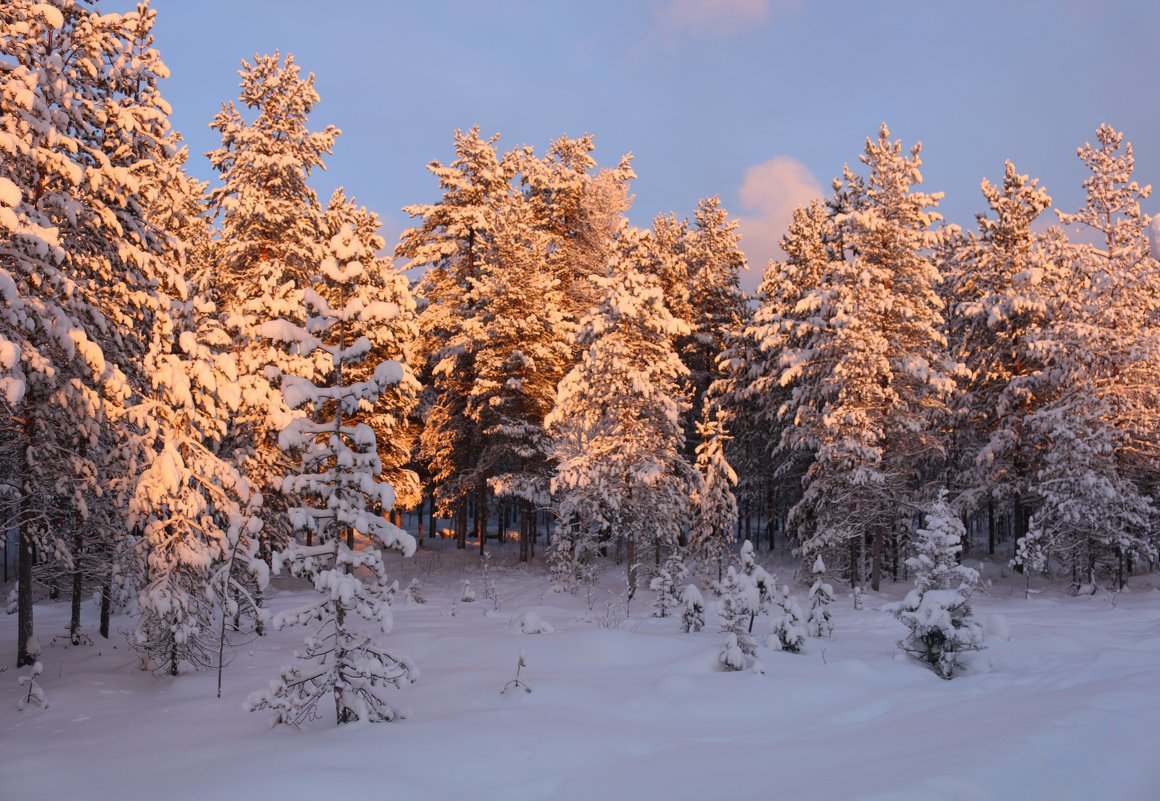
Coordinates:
(693, 617)
(787, 632)
(740, 605)
(490, 593)
(938, 610)
(414, 592)
(820, 623)
(31, 693)
(338, 499)
(518, 683)
(666, 594)
(468, 593)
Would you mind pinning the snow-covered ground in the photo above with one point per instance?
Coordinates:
(1067, 708)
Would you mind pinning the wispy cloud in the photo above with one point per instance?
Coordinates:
(695, 18)
(769, 193)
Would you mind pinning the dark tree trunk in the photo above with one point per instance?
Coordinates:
(26, 555)
(461, 525)
(481, 517)
(106, 603)
(78, 586)
(991, 526)
(527, 522)
(876, 556)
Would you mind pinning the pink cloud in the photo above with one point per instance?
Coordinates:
(769, 193)
(699, 17)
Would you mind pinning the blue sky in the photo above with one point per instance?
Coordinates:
(760, 101)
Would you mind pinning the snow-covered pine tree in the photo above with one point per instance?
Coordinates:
(580, 208)
(616, 424)
(454, 240)
(820, 622)
(1000, 284)
(938, 610)
(339, 500)
(870, 382)
(268, 247)
(521, 352)
(714, 262)
(1102, 350)
(79, 260)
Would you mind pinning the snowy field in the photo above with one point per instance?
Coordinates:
(1063, 704)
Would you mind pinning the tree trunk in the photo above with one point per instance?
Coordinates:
(527, 520)
(630, 554)
(991, 526)
(26, 554)
(461, 525)
(106, 604)
(74, 624)
(481, 517)
(876, 555)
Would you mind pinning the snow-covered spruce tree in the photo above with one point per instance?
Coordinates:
(395, 430)
(79, 257)
(268, 246)
(339, 500)
(665, 600)
(616, 424)
(700, 264)
(1102, 353)
(869, 375)
(938, 610)
(713, 502)
(820, 622)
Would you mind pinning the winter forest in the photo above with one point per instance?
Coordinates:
(233, 414)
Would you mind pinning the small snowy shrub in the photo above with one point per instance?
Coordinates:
(787, 632)
(938, 610)
(414, 595)
(693, 618)
(468, 593)
(532, 623)
(31, 693)
(731, 657)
